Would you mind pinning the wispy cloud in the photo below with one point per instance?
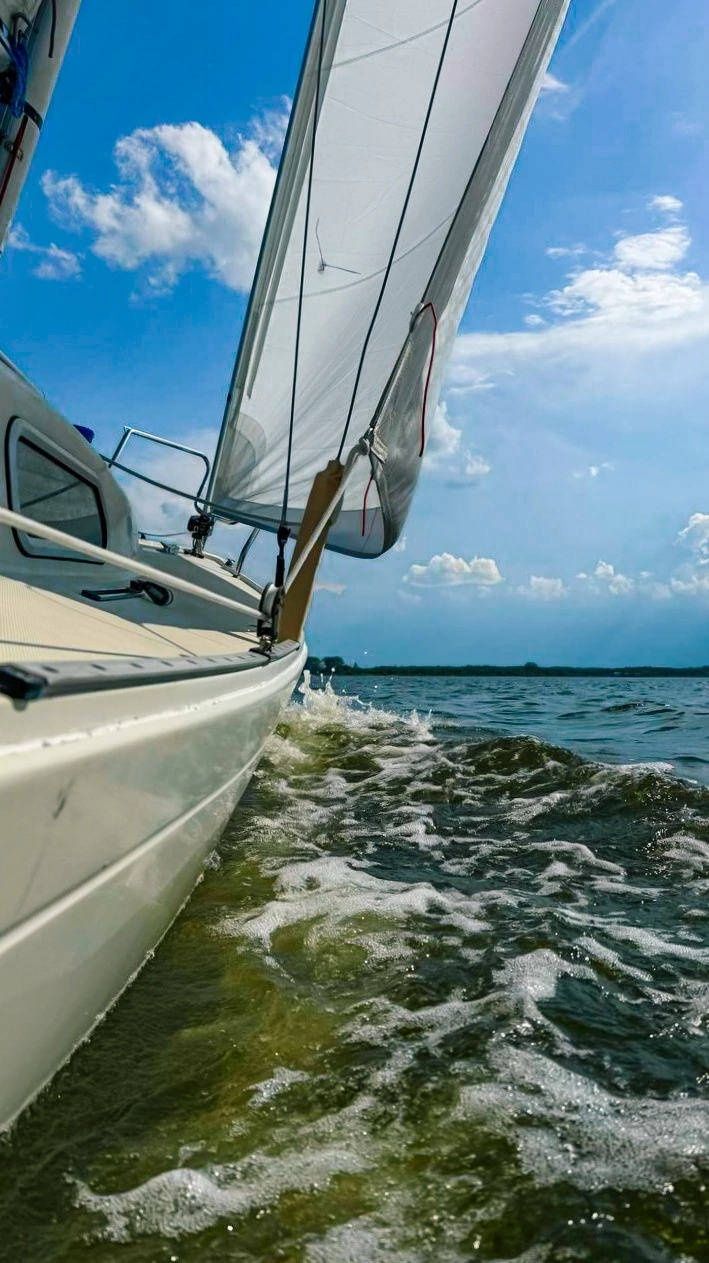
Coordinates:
(324, 585)
(53, 263)
(594, 471)
(666, 204)
(182, 200)
(554, 86)
(637, 300)
(566, 252)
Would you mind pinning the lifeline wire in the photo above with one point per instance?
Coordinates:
(400, 226)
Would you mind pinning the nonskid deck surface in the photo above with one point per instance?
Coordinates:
(42, 624)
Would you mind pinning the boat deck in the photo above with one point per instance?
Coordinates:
(40, 624)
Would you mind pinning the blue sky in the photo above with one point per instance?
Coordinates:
(563, 515)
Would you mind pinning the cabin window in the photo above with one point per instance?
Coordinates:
(56, 495)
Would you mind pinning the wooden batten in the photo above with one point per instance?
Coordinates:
(291, 623)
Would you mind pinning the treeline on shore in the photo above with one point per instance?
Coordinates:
(330, 664)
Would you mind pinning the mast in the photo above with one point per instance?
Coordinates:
(34, 35)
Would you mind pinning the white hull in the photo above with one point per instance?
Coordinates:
(109, 804)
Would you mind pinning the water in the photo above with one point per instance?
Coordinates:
(442, 995)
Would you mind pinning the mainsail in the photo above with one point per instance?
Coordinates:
(407, 122)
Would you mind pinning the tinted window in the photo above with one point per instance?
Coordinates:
(57, 496)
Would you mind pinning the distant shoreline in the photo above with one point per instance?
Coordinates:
(319, 666)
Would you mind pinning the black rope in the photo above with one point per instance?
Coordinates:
(400, 226)
(53, 28)
(291, 424)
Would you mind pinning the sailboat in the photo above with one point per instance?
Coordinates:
(139, 680)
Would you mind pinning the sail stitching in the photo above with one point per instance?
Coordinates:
(401, 43)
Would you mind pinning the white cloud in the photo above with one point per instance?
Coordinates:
(593, 471)
(443, 442)
(534, 321)
(566, 252)
(551, 84)
(400, 545)
(696, 534)
(445, 570)
(666, 205)
(542, 589)
(54, 263)
(475, 467)
(443, 452)
(653, 251)
(324, 585)
(182, 200)
(695, 585)
(618, 584)
(638, 301)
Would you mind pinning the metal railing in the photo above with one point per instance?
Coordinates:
(130, 431)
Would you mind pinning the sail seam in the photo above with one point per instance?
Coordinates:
(401, 43)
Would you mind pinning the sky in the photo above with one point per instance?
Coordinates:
(563, 512)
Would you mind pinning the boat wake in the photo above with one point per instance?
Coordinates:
(463, 1010)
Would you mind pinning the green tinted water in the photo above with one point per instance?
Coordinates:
(442, 995)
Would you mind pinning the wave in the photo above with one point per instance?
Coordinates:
(496, 949)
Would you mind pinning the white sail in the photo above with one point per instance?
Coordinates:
(34, 35)
(423, 105)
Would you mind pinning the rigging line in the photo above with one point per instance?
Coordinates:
(303, 261)
(333, 266)
(221, 509)
(53, 28)
(392, 254)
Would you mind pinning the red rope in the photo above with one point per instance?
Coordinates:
(15, 147)
(364, 504)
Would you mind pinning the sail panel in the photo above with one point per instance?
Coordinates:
(379, 65)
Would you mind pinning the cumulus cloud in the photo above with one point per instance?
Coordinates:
(182, 200)
(540, 588)
(653, 251)
(54, 264)
(618, 584)
(445, 570)
(695, 534)
(444, 454)
(636, 301)
(475, 467)
(443, 442)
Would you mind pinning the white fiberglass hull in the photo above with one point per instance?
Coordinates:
(109, 804)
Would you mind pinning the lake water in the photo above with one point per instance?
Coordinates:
(443, 994)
